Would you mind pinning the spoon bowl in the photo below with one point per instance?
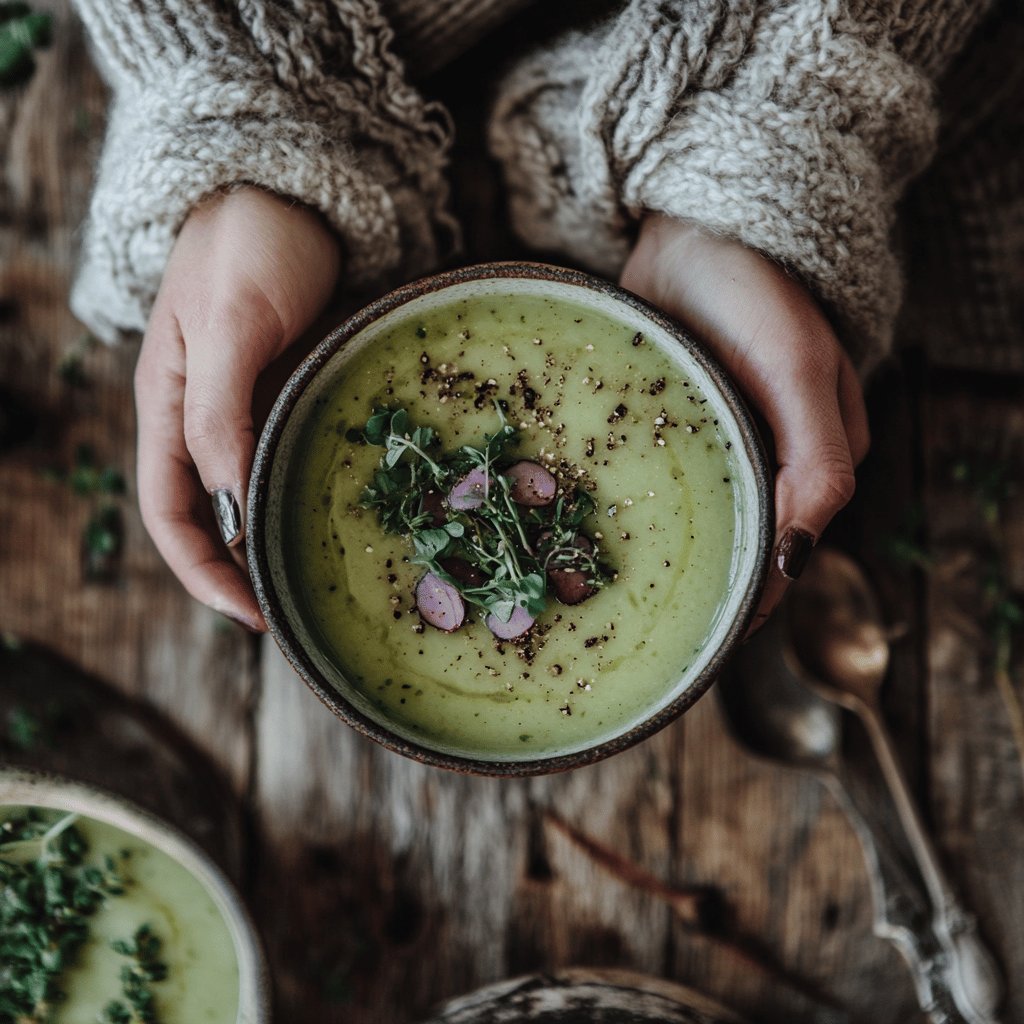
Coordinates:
(772, 711)
(837, 632)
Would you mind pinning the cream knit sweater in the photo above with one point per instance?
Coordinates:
(792, 125)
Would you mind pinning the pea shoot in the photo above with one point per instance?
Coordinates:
(497, 532)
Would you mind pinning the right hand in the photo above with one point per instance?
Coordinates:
(768, 332)
(248, 273)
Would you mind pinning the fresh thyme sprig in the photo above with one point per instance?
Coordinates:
(47, 894)
(512, 548)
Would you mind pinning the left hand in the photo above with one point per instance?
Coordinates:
(248, 273)
(771, 337)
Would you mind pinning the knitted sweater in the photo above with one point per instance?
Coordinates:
(792, 125)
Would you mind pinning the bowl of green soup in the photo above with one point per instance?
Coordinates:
(111, 916)
(509, 519)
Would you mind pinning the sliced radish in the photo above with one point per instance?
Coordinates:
(571, 586)
(432, 504)
(531, 484)
(470, 492)
(465, 572)
(519, 623)
(440, 605)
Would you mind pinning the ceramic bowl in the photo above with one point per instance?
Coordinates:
(19, 788)
(267, 562)
(573, 994)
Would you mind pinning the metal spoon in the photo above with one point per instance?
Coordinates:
(778, 717)
(839, 639)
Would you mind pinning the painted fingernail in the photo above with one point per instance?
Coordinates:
(793, 552)
(229, 516)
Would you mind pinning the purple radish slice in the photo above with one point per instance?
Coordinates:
(531, 484)
(519, 622)
(571, 586)
(440, 605)
(470, 492)
(432, 504)
(465, 572)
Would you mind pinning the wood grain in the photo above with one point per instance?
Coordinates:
(142, 633)
(382, 886)
(976, 782)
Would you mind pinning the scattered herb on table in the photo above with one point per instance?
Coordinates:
(25, 729)
(48, 892)
(22, 30)
(71, 368)
(992, 488)
(103, 533)
(490, 531)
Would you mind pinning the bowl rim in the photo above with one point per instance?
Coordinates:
(29, 787)
(601, 979)
(258, 498)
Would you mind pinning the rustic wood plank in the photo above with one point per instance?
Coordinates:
(415, 884)
(141, 631)
(55, 718)
(382, 885)
(977, 787)
(793, 874)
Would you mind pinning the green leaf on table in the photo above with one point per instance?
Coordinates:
(21, 31)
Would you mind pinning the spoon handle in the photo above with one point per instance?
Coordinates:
(972, 975)
(901, 908)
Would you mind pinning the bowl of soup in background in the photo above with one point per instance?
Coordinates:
(596, 381)
(215, 967)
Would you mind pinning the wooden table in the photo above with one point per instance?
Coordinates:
(382, 886)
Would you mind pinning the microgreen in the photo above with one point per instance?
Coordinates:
(510, 546)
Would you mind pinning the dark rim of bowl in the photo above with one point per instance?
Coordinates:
(258, 496)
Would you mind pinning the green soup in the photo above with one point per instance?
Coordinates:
(202, 983)
(582, 388)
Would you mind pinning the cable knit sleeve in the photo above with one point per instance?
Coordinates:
(302, 98)
(791, 125)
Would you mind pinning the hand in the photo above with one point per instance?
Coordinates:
(248, 273)
(773, 340)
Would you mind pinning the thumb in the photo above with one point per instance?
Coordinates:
(222, 364)
(814, 480)
(815, 477)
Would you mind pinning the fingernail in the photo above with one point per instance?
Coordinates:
(793, 552)
(229, 516)
(243, 623)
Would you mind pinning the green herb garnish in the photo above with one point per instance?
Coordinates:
(144, 968)
(512, 547)
(47, 894)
